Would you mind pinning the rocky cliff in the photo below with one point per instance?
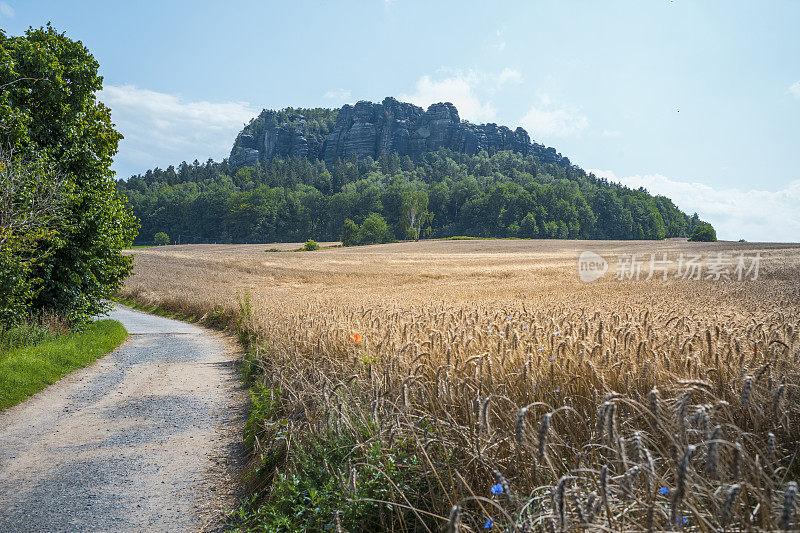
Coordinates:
(369, 129)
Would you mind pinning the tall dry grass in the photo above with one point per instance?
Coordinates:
(645, 405)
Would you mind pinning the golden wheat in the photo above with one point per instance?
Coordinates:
(622, 405)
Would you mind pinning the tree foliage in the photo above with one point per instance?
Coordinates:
(374, 230)
(32, 200)
(349, 233)
(310, 246)
(703, 233)
(49, 113)
(160, 239)
(450, 193)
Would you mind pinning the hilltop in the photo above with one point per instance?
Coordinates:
(369, 129)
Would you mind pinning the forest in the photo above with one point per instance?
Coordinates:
(444, 194)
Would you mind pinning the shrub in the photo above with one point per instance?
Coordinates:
(160, 239)
(310, 246)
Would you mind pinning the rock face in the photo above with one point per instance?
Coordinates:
(369, 129)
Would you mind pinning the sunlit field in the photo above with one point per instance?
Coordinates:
(516, 394)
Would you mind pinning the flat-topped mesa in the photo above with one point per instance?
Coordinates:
(369, 129)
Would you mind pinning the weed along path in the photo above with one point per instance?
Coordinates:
(147, 438)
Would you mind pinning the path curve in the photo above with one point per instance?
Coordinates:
(148, 438)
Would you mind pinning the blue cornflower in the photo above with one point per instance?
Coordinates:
(488, 523)
(497, 489)
(557, 333)
(525, 326)
(663, 491)
(541, 349)
(558, 390)
(553, 358)
(681, 520)
(502, 333)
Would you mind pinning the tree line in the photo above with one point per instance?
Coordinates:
(445, 194)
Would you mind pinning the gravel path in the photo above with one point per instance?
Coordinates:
(147, 438)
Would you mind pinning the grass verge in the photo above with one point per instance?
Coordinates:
(330, 481)
(29, 369)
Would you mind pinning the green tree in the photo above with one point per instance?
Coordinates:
(160, 239)
(31, 212)
(349, 233)
(414, 213)
(374, 230)
(48, 84)
(527, 227)
(703, 232)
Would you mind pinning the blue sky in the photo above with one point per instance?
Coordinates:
(699, 101)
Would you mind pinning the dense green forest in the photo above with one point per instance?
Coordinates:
(445, 194)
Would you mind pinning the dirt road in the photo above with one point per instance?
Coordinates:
(146, 439)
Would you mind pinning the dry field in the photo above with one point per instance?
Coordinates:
(617, 404)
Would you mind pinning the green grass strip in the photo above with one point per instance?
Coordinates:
(25, 371)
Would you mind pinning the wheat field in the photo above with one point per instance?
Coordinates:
(530, 399)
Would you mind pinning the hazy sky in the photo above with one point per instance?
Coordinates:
(699, 101)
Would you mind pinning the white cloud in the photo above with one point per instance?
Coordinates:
(162, 129)
(755, 215)
(469, 91)
(509, 75)
(500, 45)
(794, 90)
(461, 89)
(611, 133)
(339, 95)
(6, 10)
(547, 120)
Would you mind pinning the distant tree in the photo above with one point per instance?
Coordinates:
(160, 239)
(527, 227)
(501, 195)
(374, 230)
(310, 246)
(414, 213)
(349, 233)
(703, 233)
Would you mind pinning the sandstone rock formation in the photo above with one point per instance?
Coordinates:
(369, 129)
